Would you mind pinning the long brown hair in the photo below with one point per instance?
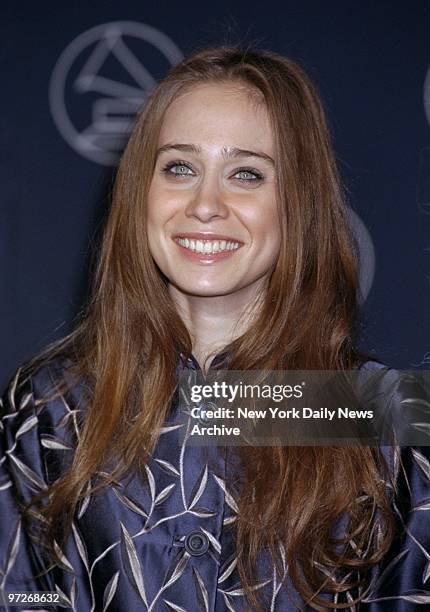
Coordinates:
(127, 344)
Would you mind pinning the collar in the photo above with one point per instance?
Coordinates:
(191, 363)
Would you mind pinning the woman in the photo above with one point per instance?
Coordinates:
(227, 247)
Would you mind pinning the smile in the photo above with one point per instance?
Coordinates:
(208, 247)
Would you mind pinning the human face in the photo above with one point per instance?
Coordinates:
(213, 190)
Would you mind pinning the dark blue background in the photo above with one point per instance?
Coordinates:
(369, 60)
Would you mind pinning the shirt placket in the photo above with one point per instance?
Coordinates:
(204, 496)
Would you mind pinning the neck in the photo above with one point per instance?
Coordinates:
(214, 321)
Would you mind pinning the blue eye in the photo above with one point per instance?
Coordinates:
(249, 175)
(177, 169)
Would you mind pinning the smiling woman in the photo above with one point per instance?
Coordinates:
(212, 203)
(227, 246)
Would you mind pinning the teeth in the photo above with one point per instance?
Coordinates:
(208, 247)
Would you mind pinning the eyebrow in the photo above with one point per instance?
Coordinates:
(227, 152)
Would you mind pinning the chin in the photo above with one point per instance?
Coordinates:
(205, 291)
(213, 292)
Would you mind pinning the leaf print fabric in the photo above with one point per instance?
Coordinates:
(169, 546)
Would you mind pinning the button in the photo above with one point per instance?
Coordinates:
(203, 418)
(196, 543)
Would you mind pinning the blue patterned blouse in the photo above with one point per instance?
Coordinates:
(169, 547)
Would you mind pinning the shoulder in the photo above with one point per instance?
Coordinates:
(403, 391)
(38, 384)
(401, 399)
(40, 414)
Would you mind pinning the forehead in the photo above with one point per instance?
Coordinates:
(218, 114)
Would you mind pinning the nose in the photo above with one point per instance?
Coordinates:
(207, 202)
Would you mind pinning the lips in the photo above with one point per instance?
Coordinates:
(206, 248)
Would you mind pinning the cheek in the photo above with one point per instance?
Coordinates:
(154, 222)
(268, 234)
(151, 207)
(162, 206)
(264, 224)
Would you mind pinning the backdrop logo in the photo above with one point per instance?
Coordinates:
(101, 79)
(365, 255)
(424, 170)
